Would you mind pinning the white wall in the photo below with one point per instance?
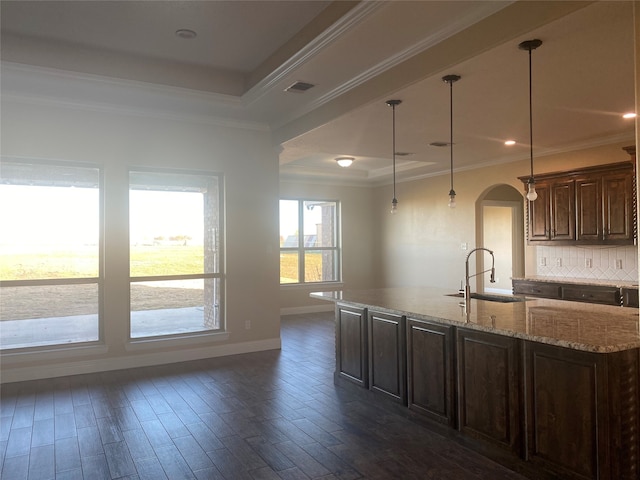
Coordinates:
(421, 244)
(50, 130)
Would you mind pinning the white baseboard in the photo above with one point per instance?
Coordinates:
(309, 309)
(19, 374)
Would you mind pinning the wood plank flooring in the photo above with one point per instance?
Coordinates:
(260, 416)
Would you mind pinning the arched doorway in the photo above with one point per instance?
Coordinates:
(500, 227)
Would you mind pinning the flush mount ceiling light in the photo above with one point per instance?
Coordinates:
(186, 34)
(393, 104)
(530, 45)
(345, 161)
(451, 79)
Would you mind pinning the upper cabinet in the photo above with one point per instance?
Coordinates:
(591, 206)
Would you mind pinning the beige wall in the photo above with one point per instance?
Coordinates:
(421, 244)
(358, 237)
(250, 166)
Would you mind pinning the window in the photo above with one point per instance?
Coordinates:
(314, 255)
(175, 253)
(50, 254)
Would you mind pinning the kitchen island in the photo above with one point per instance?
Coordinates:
(548, 387)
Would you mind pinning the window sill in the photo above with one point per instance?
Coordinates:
(313, 286)
(48, 353)
(147, 343)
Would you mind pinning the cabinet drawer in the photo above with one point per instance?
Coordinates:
(607, 296)
(537, 289)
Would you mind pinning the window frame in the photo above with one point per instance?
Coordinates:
(301, 249)
(218, 276)
(97, 280)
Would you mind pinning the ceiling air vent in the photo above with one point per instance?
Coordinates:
(299, 87)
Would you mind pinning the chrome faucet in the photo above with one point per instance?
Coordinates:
(492, 278)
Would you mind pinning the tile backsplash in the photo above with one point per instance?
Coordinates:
(598, 262)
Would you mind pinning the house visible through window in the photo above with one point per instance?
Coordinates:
(309, 241)
(175, 253)
(49, 254)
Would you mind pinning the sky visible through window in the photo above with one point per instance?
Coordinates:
(156, 215)
(33, 215)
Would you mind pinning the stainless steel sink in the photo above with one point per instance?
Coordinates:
(492, 298)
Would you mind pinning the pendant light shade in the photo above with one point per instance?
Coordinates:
(530, 45)
(393, 104)
(451, 79)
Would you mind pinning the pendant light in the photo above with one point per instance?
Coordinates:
(530, 45)
(393, 104)
(451, 79)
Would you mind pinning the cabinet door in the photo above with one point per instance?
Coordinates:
(489, 393)
(387, 355)
(563, 218)
(351, 345)
(617, 194)
(589, 209)
(430, 370)
(567, 411)
(539, 214)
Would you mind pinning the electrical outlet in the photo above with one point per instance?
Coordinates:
(247, 324)
(464, 246)
(619, 264)
(558, 262)
(588, 263)
(542, 261)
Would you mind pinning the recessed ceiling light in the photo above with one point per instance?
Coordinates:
(186, 34)
(629, 115)
(345, 161)
(510, 142)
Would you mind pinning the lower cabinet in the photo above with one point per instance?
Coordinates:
(557, 412)
(582, 412)
(489, 393)
(430, 375)
(351, 345)
(387, 355)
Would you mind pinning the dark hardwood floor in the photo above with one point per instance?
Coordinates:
(268, 415)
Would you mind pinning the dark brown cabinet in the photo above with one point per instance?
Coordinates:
(582, 418)
(351, 345)
(430, 375)
(590, 206)
(489, 395)
(562, 210)
(387, 355)
(618, 202)
(576, 292)
(630, 297)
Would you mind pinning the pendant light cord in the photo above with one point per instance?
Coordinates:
(530, 119)
(393, 108)
(451, 130)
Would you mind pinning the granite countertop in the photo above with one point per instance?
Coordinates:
(575, 325)
(581, 281)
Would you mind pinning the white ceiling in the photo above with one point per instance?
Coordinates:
(358, 54)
